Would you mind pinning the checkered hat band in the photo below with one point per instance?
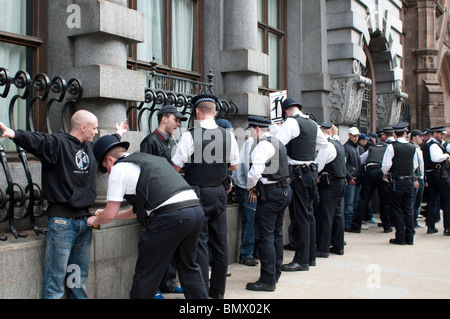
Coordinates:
(205, 99)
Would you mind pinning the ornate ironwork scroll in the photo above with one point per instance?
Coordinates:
(165, 89)
(34, 89)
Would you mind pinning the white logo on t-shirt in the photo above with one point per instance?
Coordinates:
(82, 160)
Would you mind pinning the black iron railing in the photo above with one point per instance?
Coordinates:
(40, 88)
(166, 89)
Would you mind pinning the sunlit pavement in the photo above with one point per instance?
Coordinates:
(370, 268)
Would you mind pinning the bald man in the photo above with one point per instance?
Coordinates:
(69, 174)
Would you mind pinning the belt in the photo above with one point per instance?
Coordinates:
(79, 217)
(403, 177)
(175, 206)
(284, 183)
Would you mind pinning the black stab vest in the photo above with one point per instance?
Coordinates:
(376, 153)
(303, 147)
(337, 167)
(428, 163)
(277, 166)
(403, 160)
(158, 181)
(209, 162)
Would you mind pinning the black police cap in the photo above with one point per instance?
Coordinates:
(103, 145)
(388, 129)
(326, 125)
(261, 121)
(439, 129)
(204, 98)
(400, 127)
(290, 102)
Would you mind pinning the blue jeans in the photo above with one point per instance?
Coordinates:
(248, 209)
(67, 258)
(351, 198)
(418, 196)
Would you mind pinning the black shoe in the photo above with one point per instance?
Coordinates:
(432, 230)
(396, 241)
(293, 266)
(336, 251)
(321, 254)
(259, 286)
(215, 295)
(387, 230)
(248, 262)
(312, 263)
(352, 229)
(3, 237)
(447, 232)
(289, 246)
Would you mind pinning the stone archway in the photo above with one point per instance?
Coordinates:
(380, 31)
(444, 79)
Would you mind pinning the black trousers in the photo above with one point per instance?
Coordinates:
(438, 195)
(168, 283)
(329, 217)
(301, 211)
(402, 204)
(170, 234)
(373, 179)
(213, 238)
(269, 219)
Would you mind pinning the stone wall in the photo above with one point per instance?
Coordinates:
(113, 259)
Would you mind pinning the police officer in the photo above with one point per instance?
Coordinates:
(302, 138)
(400, 161)
(436, 161)
(160, 141)
(268, 180)
(165, 204)
(372, 180)
(205, 153)
(329, 218)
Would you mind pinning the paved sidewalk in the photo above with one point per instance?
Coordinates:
(370, 268)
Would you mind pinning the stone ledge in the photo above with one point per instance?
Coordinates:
(105, 81)
(247, 60)
(110, 18)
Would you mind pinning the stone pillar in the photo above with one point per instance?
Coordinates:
(88, 41)
(315, 81)
(241, 62)
(430, 96)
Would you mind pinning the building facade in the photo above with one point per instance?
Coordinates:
(427, 58)
(368, 63)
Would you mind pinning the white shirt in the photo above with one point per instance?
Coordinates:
(436, 153)
(123, 180)
(239, 176)
(263, 151)
(389, 154)
(290, 130)
(325, 156)
(185, 147)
